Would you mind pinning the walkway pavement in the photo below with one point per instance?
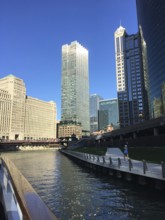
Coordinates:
(114, 159)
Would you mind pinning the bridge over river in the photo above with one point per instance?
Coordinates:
(6, 145)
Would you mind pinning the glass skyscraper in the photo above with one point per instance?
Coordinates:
(75, 84)
(131, 81)
(94, 107)
(151, 22)
(108, 113)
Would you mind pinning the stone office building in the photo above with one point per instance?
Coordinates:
(23, 117)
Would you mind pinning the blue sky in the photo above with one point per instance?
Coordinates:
(33, 31)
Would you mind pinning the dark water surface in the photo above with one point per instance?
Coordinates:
(75, 193)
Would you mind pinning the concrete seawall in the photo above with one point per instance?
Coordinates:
(113, 164)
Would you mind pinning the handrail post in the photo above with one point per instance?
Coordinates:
(119, 162)
(144, 166)
(98, 159)
(163, 169)
(103, 159)
(110, 160)
(130, 164)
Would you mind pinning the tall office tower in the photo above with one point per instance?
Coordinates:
(151, 22)
(94, 107)
(75, 84)
(108, 113)
(131, 82)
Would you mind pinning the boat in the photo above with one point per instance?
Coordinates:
(18, 199)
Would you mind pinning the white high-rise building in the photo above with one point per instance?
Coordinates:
(75, 84)
(120, 56)
(23, 117)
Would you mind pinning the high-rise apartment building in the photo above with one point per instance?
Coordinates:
(151, 22)
(131, 81)
(75, 84)
(24, 117)
(108, 114)
(94, 107)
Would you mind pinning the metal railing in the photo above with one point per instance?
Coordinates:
(127, 165)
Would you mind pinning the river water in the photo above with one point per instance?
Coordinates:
(75, 193)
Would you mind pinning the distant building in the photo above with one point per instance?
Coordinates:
(131, 78)
(39, 119)
(108, 114)
(24, 117)
(151, 22)
(75, 84)
(94, 107)
(69, 129)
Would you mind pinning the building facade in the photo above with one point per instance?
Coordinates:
(94, 107)
(75, 84)
(39, 119)
(69, 129)
(5, 111)
(108, 114)
(151, 22)
(24, 117)
(131, 79)
(15, 87)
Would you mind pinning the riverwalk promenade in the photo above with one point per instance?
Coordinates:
(115, 164)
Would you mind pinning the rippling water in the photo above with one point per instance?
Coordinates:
(74, 193)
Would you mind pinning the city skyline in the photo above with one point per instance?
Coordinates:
(33, 33)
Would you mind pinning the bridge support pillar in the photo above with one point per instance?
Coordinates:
(155, 132)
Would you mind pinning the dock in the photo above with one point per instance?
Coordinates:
(113, 163)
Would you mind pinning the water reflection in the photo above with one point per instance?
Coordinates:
(75, 193)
